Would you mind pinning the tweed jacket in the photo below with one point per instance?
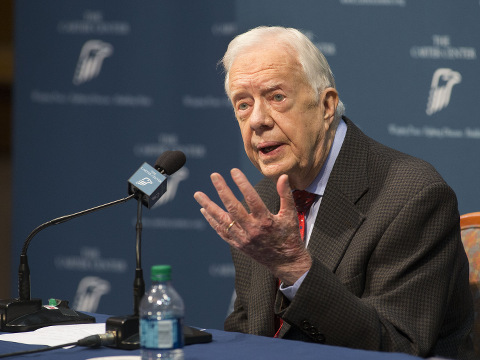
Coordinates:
(389, 270)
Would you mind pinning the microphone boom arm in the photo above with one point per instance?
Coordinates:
(62, 219)
(24, 271)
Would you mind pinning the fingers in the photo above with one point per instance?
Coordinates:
(231, 203)
(235, 211)
(234, 207)
(218, 219)
(218, 226)
(287, 204)
(250, 195)
(271, 240)
(207, 204)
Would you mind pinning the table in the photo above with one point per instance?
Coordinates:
(225, 345)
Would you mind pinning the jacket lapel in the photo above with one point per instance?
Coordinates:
(338, 218)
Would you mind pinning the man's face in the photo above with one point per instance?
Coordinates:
(284, 127)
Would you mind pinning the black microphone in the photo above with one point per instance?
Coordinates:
(26, 314)
(170, 162)
(148, 183)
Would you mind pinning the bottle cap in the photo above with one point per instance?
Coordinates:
(161, 273)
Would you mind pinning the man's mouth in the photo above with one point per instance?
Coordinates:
(267, 149)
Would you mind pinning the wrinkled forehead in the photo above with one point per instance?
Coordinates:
(264, 60)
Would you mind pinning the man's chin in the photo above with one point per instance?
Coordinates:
(272, 172)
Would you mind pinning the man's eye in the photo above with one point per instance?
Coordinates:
(243, 106)
(278, 97)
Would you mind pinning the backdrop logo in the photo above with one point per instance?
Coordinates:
(93, 22)
(327, 48)
(443, 81)
(90, 259)
(90, 60)
(442, 48)
(224, 29)
(89, 291)
(172, 186)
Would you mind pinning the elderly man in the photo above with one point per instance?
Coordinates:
(376, 262)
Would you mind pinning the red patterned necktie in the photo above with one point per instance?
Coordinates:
(303, 202)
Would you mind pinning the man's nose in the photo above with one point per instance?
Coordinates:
(260, 117)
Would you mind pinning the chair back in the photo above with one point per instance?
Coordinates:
(470, 230)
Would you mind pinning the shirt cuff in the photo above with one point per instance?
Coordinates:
(290, 291)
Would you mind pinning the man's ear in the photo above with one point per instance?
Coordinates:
(329, 99)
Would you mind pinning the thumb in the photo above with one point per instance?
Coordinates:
(285, 192)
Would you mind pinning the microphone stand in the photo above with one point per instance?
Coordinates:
(27, 314)
(126, 328)
(139, 283)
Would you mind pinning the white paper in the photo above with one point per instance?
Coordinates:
(55, 335)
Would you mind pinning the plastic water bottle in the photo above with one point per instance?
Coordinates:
(161, 318)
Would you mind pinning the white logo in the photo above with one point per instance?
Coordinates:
(224, 29)
(442, 48)
(90, 60)
(441, 89)
(90, 259)
(89, 291)
(172, 187)
(144, 181)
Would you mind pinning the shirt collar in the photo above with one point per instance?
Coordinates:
(320, 183)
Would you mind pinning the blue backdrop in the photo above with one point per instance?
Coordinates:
(102, 86)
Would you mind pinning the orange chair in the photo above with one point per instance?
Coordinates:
(470, 230)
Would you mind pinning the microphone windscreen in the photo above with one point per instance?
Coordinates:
(170, 161)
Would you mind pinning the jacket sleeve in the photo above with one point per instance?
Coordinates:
(238, 320)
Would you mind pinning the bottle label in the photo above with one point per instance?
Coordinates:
(161, 334)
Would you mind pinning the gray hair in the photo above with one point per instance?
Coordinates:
(315, 66)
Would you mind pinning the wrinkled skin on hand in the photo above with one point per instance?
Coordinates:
(272, 240)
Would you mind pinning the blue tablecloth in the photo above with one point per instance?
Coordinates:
(225, 345)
